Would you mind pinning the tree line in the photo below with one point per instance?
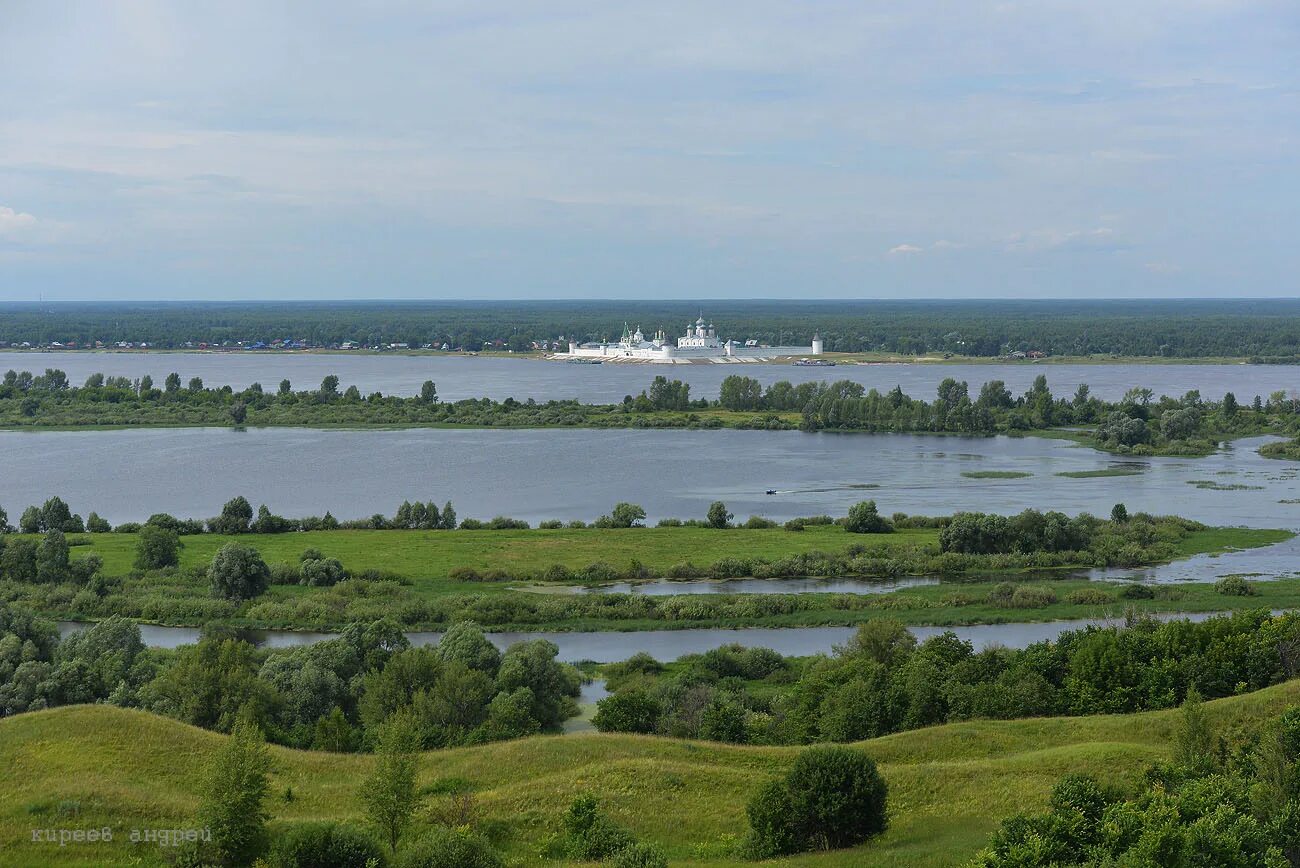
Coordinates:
(884, 681)
(1177, 329)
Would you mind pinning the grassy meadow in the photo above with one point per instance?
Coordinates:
(96, 766)
(431, 555)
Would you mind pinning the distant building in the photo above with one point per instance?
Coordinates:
(700, 343)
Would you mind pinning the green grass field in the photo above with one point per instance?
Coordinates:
(96, 766)
(424, 555)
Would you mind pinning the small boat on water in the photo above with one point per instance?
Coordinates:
(771, 491)
(814, 363)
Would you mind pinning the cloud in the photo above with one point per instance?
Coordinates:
(1101, 237)
(904, 250)
(12, 221)
(1162, 267)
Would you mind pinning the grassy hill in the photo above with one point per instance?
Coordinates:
(94, 766)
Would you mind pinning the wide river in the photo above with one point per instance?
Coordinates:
(460, 377)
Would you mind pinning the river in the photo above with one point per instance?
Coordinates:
(460, 377)
(126, 475)
(608, 647)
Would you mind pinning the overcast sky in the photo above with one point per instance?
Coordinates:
(649, 149)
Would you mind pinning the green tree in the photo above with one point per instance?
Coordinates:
(235, 518)
(864, 518)
(389, 794)
(1193, 738)
(156, 548)
(52, 557)
(464, 642)
(718, 517)
(238, 572)
(234, 794)
(329, 387)
(428, 392)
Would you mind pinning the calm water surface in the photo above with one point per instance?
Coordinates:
(608, 647)
(495, 377)
(579, 474)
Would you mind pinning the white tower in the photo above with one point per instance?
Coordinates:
(817, 347)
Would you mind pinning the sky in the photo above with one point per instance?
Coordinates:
(449, 150)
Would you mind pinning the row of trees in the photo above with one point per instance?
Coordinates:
(883, 681)
(1137, 421)
(334, 695)
(984, 328)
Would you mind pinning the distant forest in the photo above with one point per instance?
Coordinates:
(1261, 329)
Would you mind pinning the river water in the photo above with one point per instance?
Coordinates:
(534, 474)
(460, 377)
(609, 647)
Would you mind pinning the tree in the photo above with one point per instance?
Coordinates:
(389, 793)
(234, 794)
(157, 547)
(238, 572)
(718, 517)
(329, 387)
(172, 384)
(235, 518)
(833, 797)
(52, 557)
(464, 642)
(1119, 513)
(428, 392)
(1193, 738)
(623, 515)
(238, 412)
(95, 524)
(630, 710)
(448, 518)
(30, 521)
(864, 518)
(286, 388)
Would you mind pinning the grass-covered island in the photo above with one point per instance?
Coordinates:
(1286, 450)
(1138, 424)
(424, 569)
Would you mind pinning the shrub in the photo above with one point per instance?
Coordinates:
(326, 845)
(757, 522)
(631, 710)
(641, 855)
(833, 797)
(1136, 591)
(590, 835)
(449, 848)
(1089, 597)
(464, 574)
(1234, 586)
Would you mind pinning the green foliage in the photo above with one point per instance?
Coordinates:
(238, 572)
(326, 845)
(589, 835)
(1234, 586)
(449, 848)
(234, 795)
(832, 797)
(864, 518)
(718, 517)
(389, 793)
(156, 548)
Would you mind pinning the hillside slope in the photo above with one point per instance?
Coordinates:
(93, 766)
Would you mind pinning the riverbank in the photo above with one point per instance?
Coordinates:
(442, 592)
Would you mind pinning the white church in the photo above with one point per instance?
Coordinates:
(700, 344)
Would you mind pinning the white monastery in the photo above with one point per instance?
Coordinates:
(700, 344)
